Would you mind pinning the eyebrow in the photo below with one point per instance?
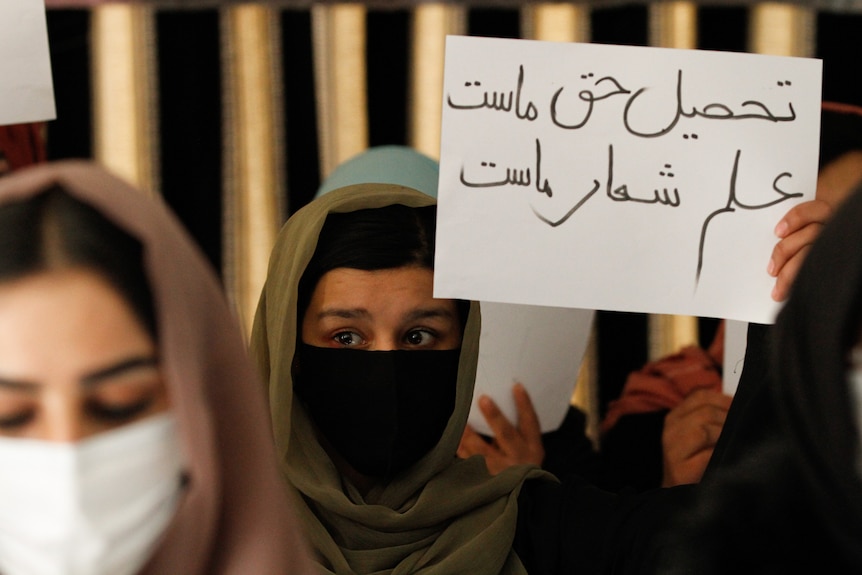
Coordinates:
(430, 313)
(91, 379)
(343, 313)
(18, 385)
(99, 376)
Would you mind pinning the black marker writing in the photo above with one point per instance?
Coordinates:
(733, 203)
(714, 111)
(501, 101)
(618, 194)
(589, 97)
(514, 176)
(621, 193)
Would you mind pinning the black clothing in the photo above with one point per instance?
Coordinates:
(751, 418)
(575, 527)
(631, 452)
(568, 450)
(784, 495)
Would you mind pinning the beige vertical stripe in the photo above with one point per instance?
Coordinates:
(782, 29)
(672, 25)
(124, 88)
(431, 23)
(556, 22)
(340, 81)
(669, 333)
(586, 395)
(253, 150)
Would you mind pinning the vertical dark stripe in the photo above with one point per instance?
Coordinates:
(70, 135)
(723, 28)
(302, 166)
(494, 22)
(839, 44)
(626, 25)
(388, 49)
(622, 348)
(190, 118)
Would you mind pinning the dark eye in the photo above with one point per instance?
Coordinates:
(118, 412)
(419, 337)
(348, 338)
(16, 420)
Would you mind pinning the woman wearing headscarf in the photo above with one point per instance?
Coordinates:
(793, 502)
(133, 430)
(368, 435)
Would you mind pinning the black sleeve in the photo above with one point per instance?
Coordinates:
(575, 527)
(568, 450)
(631, 452)
(751, 418)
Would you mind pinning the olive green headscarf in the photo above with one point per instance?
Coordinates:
(444, 515)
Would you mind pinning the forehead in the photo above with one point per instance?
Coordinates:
(350, 281)
(390, 291)
(59, 323)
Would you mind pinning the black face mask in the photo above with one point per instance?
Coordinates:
(381, 410)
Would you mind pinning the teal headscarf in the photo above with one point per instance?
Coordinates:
(399, 165)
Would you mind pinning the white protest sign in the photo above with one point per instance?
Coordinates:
(540, 347)
(619, 177)
(735, 344)
(26, 86)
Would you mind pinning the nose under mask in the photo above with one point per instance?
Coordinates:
(97, 506)
(381, 410)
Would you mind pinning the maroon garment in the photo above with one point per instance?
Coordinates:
(22, 145)
(664, 383)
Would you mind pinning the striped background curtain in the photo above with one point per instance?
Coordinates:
(234, 111)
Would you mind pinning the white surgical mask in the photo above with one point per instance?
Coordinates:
(97, 506)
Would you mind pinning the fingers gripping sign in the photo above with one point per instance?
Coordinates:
(796, 231)
(511, 444)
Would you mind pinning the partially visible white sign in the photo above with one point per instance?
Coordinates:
(26, 86)
(539, 347)
(735, 343)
